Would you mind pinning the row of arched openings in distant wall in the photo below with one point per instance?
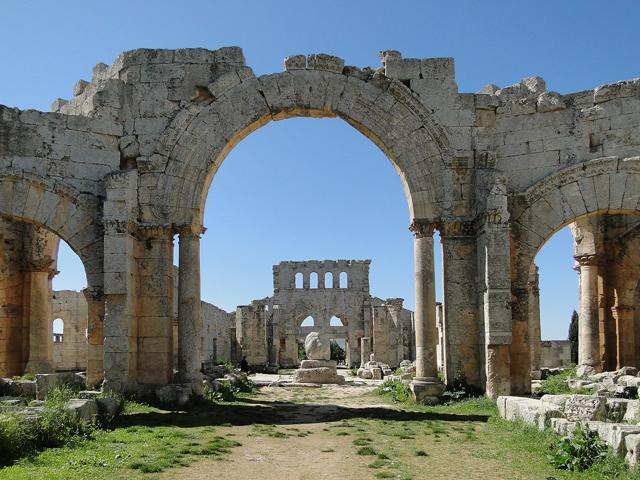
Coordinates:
(328, 280)
(333, 322)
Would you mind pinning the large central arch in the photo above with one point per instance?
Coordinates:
(199, 138)
(196, 142)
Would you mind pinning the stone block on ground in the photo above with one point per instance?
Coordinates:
(585, 407)
(22, 388)
(523, 409)
(632, 445)
(614, 434)
(108, 407)
(177, 394)
(46, 382)
(632, 413)
(318, 375)
(10, 403)
(84, 408)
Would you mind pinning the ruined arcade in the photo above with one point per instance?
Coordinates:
(122, 169)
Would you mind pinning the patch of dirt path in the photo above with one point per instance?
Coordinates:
(292, 458)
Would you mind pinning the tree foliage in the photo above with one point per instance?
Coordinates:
(337, 352)
(573, 337)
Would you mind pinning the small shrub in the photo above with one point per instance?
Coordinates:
(398, 391)
(579, 452)
(227, 391)
(459, 389)
(421, 453)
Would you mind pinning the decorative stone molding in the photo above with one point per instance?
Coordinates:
(457, 228)
(93, 293)
(39, 265)
(422, 228)
(189, 230)
(588, 260)
(150, 233)
(118, 226)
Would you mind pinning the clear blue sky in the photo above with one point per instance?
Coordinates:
(309, 188)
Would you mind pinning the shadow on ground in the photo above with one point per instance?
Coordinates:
(283, 413)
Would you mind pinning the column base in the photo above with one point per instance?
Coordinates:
(584, 370)
(427, 390)
(193, 379)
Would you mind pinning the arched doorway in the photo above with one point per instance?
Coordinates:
(384, 112)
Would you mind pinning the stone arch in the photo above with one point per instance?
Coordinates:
(602, 186)
(71, 215)
(195, 144)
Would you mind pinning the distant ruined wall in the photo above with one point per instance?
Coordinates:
(555, 353)
(71, 352)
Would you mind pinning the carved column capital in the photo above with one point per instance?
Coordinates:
(422, 228)
(189, 230)
(93, 293)
(42, 264)
(587, 260)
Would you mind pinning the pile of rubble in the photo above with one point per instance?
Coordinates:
(373, 370)
(26, 397)
(613, 410)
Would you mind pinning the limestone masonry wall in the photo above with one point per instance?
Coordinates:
(124, 166)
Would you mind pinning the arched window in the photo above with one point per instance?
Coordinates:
(328, 280)
(299, 280)
(58, 330)
(308, 322)
(335, 322)
(313, 280)
(343, 280)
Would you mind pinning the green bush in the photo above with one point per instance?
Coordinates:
(54, 426)
(579, 452)
(459, 389)
(398, 391)
(227, 391)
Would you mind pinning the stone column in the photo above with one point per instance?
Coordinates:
(494, 264)
(426, 387)
(365, 350)
(189, 306)
(462, 342)
(154, 305)
(121, 285)
(39, 315)
(95, 335)
(534, 321)
(588, 323)
(625, 335)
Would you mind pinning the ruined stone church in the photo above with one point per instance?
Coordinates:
(122, 169)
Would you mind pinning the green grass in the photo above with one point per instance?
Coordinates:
(126, 452)
(557, 384)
